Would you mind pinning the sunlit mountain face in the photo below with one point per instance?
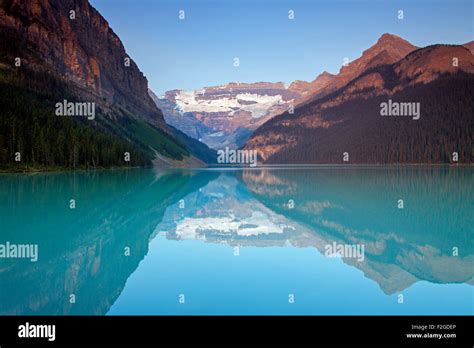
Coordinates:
(242, 241)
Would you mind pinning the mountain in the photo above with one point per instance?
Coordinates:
(349, 119)
(227, 115)
(224, 115)
(55, 50)
(388, 49)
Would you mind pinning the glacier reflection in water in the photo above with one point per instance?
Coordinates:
(240, 241)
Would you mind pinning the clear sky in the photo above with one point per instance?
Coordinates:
(199, 51)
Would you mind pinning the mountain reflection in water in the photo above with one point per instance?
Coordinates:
(240, 241)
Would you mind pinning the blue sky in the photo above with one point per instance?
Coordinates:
(200, 50)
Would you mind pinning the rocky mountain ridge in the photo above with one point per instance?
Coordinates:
(227, 115)
(438, 78)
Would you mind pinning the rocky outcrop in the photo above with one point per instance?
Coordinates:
(305, 88)
(71, 39)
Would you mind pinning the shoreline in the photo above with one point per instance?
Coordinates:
(36, 170)
(64, 170)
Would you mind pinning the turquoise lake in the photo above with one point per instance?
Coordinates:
(240, 241)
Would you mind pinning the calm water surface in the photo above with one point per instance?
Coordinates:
(240, 241)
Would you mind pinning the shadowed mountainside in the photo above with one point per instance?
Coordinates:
(54, 50)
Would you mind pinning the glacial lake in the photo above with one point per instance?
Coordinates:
(240, 241)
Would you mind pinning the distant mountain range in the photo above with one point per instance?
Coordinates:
(55, 50)
(227, 115)
(321, 120)
(224, 115)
